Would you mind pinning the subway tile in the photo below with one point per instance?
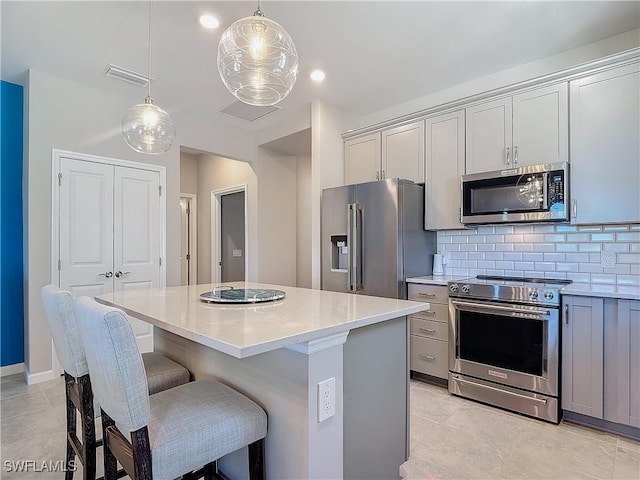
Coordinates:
(603, 278)
(513, 256)
(592, 228)
(486, 230)
(628, 258)
(533, 273)
(460, 271)
(566, 267)
(523, 229)
(486, 247)
(579, 277)
(504, 247)
(602, 237)
(468, 264)
(594, 258)
(555, 275)
(577, 257)
(495, 238)
(544, 247)
(618, 247)
(486, 264)
(628, 237)
(493, 256)
(577, 237)
(533, 238)
(545, 266)
(495, 272)
(458, 255)
(453, 263)
(634, 227)
(553, 257)
(477, 239)
(513, 238)
(543, 229)
(566, 228)
(523, 247)
(589, 247)
(514, 273)
(532, 257)
(554, 237)
(523, 265)
(615, 228)
(589, 268)
(504, 229)
(475, 255)
(633, 247)
(468, 247)
(504, 265)
(566, 247)
(451, 247)
(460, 239)
(628, 279)
(620, 269)
(473, 272)
(634, 269)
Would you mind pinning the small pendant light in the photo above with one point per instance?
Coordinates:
(257, 60)
(146, 127)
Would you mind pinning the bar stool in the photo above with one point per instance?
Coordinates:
(172, 433)
(161, 374)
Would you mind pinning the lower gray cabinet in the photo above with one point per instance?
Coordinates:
(583, 355)
(601, 358)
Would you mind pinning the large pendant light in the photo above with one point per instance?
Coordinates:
(257, 60)
(146, 127)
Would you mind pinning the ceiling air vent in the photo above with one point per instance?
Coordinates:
(246, 112)
(125, 75)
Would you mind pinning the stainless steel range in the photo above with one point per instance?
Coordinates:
(504, 343)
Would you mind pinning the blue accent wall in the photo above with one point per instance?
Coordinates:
(11, 268)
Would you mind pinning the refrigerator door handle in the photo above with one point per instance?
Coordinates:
(358, 233)
(351, 243)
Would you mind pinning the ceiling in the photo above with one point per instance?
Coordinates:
(375, 54)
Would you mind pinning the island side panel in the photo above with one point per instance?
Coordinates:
(376, 400)
(277, 381)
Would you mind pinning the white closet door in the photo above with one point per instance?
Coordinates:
(137, 237)
(86, 227)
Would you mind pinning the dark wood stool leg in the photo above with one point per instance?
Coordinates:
(110, 462)
(257, 469)
(71, 426)
(88, 427)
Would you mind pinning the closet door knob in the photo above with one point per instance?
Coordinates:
(107, 274)
(121, 274)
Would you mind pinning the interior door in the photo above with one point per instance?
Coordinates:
(184, 241)
(232, 239)
(136, 236)
(86, 225)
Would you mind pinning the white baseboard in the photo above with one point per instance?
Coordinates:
(11, 369)
(39, 377)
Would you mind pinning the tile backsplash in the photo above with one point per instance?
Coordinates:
(550, 251)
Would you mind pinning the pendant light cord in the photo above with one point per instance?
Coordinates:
(149, 65)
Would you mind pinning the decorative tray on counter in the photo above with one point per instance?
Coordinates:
(228, 294)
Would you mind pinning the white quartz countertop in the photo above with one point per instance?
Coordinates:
(435, 280)
(244, 330)
(627, 292)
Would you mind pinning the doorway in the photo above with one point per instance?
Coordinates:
(229, 234)
(188, 239)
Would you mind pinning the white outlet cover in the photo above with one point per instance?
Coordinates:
(607, 259)
(326, 399)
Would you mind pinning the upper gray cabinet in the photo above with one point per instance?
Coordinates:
(396, 152)
(525, 129)
(445, 166)
(605, 146)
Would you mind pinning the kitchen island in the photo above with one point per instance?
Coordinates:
(278, 352)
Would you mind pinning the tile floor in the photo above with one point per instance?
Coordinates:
(452, 438)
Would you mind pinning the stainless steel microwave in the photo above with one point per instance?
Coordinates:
(535, 193)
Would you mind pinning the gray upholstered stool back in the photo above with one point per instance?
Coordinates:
(115, 365)
(58, 305)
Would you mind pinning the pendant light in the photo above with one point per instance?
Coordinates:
(257, 60)
(146, 127)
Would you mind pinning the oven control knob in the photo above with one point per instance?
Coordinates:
(548, 295)
(453, 287)
(533, 294)
(465, 288)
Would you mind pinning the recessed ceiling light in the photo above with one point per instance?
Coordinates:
(317, 75)
(209, 21)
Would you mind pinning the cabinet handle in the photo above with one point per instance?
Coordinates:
(566, 314)
(574, 207)
(427, 358)
(515, 155)
(507, 159)
(429, 295)
(377, 175)
(429, 312)
(427, 330)
(106, 274)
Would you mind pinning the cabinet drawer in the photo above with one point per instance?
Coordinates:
(428, 328)
(439, 312)
(428, 293)
(430, 356)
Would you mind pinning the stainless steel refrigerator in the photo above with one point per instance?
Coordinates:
(373, 237)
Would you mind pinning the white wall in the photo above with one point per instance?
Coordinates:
(303, 222)
(188, 173)
(66, 115)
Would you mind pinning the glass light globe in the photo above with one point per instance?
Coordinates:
(257, 60)
(147, 128)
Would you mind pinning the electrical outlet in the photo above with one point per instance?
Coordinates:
(608, 259)
(326, 399)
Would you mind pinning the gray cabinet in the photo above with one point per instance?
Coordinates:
(605, 146)
(362, 159)
(429, 331)
(583, 355)
(627, 338)
(445, 166)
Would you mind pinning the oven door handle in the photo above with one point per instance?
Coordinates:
(461, 380)
(492, 308)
